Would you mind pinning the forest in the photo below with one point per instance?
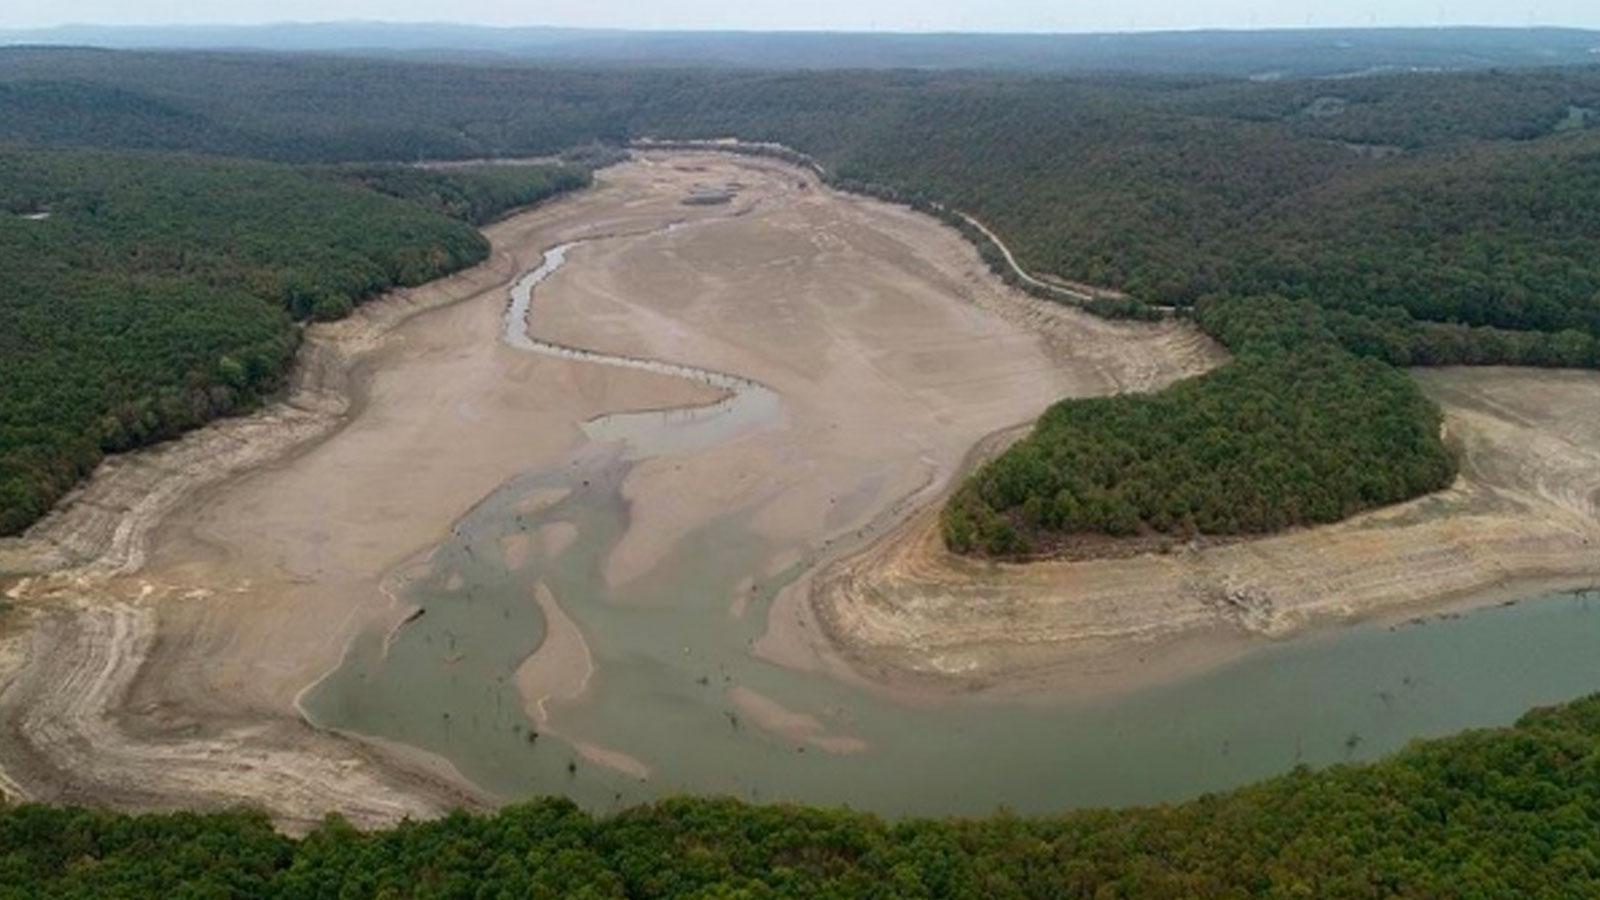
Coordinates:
(1273, 440)
(477, 195)
(1458, 198)
(1412, 219)
(144, 295)
(1497, 813)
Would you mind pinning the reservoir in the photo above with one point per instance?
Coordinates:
(666, 655)
(671, 701)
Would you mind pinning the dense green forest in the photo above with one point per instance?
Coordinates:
(478, 195)
(1416, 219)
(1457, 198)
(144, 295)
(1501, 813)
(1278, 438)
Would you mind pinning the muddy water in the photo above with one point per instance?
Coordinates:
(675, 690)
(654, 433)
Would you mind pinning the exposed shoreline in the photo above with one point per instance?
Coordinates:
(1520, 521)
(78, 589)
(169, 678)
(69, 609)
(1071, 292)
(1098, 660)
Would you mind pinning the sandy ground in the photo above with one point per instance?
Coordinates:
(183, 598)
(1521, 519)
(559, 671)
(188, 595)
(892, 349)
(178, 605)
(798, 727)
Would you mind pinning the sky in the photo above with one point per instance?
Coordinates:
(887, 15)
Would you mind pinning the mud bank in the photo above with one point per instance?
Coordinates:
(490, 572)
(227, 569)
(183, 602)
(1520, 521)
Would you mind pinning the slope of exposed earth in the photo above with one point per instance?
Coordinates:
(181, 602)
(1521, 519)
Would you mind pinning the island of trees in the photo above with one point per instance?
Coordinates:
(1278, 438)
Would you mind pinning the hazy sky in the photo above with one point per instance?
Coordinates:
(900, 15)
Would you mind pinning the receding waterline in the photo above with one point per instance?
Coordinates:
(677, 696)
(748, 403)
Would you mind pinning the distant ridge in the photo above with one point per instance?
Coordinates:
(1261, 54)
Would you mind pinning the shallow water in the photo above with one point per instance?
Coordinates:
(669, 655)
(747, 405)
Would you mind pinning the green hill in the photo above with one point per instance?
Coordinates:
(144, 295)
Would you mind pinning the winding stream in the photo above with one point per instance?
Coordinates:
(656, 432)
(676, 703)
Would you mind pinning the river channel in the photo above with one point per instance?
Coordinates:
(677, 695)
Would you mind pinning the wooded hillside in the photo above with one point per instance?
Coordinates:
(144, 295)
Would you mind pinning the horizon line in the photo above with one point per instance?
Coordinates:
(808, 30)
